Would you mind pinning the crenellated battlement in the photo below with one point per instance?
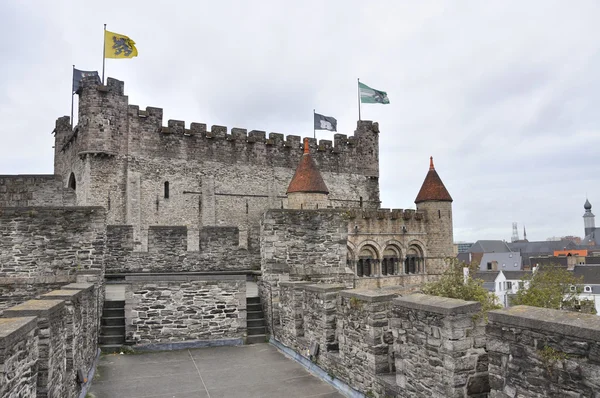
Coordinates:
(108, 124)
(387, 214)
(168, 250)
(153, 115)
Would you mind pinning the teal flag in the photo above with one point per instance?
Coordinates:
(369, 95)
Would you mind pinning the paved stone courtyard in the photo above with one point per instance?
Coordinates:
(258, 370)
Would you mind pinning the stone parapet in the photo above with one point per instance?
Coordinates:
(18, 357)
(75, 344)
(365, 336)
(167, 308)
(90, 320)
(439, 347)
(543, 352)
(51, 316)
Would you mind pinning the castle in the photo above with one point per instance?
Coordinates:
(155, 237)
(217, 184)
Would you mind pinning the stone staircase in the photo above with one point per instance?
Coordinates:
(257, 332)
(112, 331)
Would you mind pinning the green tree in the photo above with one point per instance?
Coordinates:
(552, 287)
(452, 284)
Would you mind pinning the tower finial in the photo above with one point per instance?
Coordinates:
(431, 163)
(306, 146)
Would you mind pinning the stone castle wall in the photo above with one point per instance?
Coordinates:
(122, 157)
(180, 308)
(34, 190)
(420, 345)
(45, 342)
(167, 251)
(50, 241)
(544, 353)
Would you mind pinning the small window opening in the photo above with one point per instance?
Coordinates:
(361, 202)
(72, 182)
(489, 266)
(439, 214)
(166, 189)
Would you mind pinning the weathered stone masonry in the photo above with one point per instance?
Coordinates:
(45, 342)
(176, 308)
(121, 157)
(167, 251)
(537, 352)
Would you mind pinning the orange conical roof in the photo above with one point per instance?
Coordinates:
(307, 177)
(433, 188)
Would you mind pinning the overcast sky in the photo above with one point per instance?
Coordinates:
(504, 95)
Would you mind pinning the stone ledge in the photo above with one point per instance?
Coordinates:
(47, 209)
(42, 308)
(168, 227)
(36, 280)
(78, 286)
(63, 294)
(371, 296)
(90, 271)
(324, 287)
(295, 284)
(566, 323)
(438, 305)
(183, 278)
(13, 329)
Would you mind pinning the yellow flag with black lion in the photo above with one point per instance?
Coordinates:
(118, 46)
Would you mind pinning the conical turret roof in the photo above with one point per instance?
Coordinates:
(307, 177)
(433, 188)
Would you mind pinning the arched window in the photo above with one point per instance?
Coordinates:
(367, 260)
(72, 182)
(349, 258)
(166, 189)
(391, 261)
(414, 263)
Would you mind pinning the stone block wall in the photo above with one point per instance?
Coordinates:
(74, 337)
(45, 342)
(34, 190)
(440, 347)
(52, 378)
(319, 312)
(42, 241)
(18, 357)
(168, 251)
(380, 345)
(539, 352)
(16, 290)
(291, 324)
(365, 336)
(175, 308)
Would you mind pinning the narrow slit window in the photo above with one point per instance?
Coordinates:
(166, 189)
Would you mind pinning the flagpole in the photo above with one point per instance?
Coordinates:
(72, 97)
(358, 79)
(103, 53)
(314, 130)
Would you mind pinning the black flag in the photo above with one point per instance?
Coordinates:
(80, 74)
(325, 123)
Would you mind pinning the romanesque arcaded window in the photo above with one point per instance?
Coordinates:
(391, 260)
(367, 260)
(414, 263)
